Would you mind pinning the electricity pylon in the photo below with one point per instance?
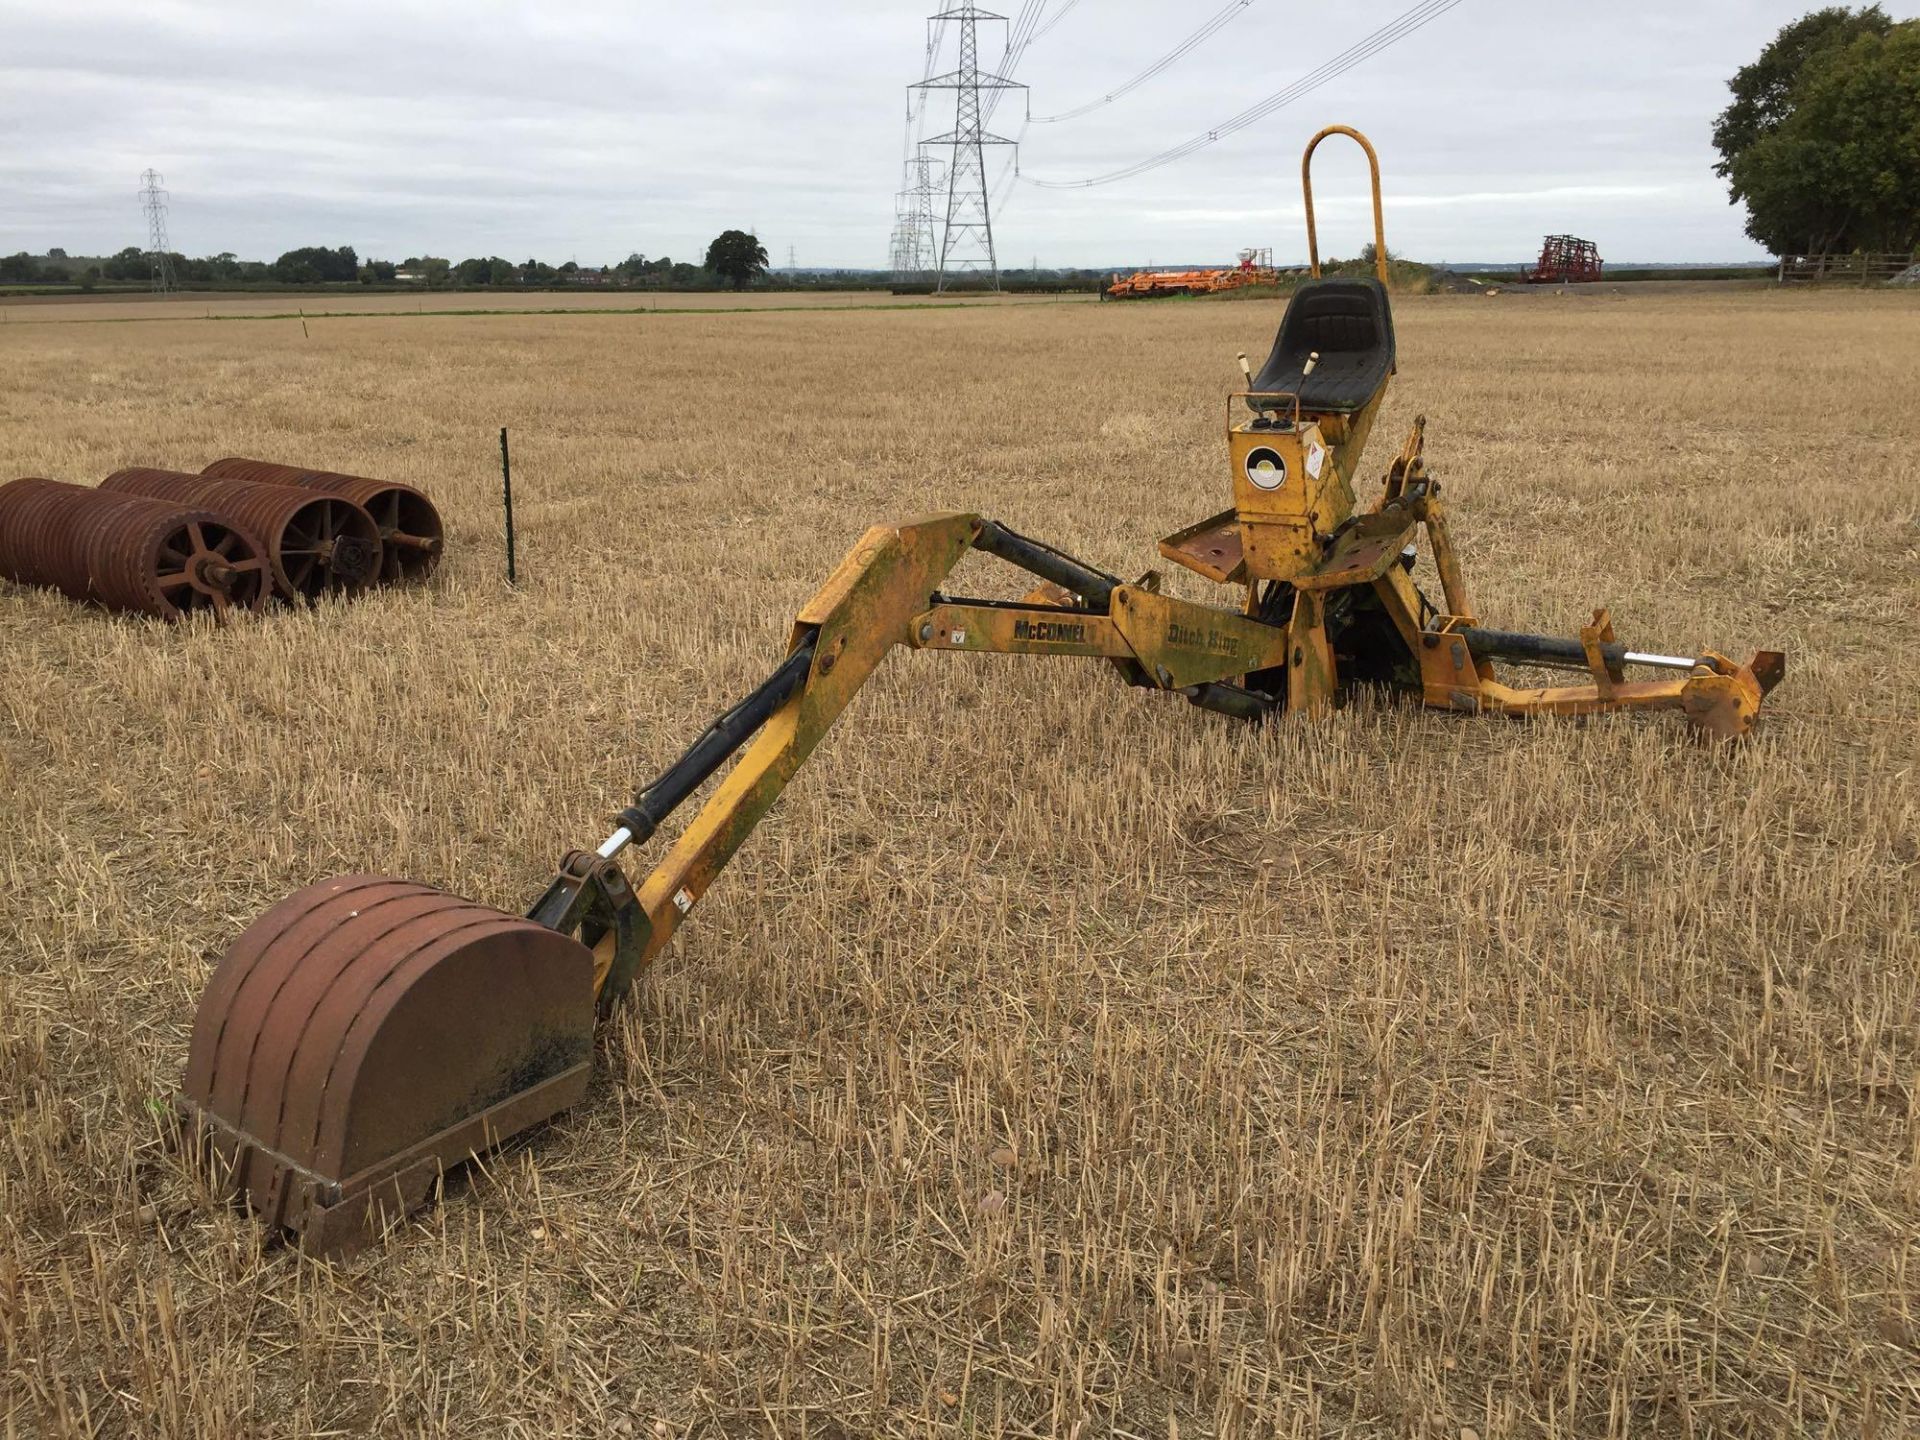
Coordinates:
(966, 240)
(153, 200)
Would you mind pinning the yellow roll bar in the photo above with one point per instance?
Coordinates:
(1306, 189)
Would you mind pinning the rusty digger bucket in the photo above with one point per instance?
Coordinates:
(367, 1033)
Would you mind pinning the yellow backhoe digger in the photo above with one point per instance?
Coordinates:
(368, 1033)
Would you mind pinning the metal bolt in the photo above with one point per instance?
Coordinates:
(926, 631)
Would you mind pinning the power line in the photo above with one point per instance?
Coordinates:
(1020, 34)
(1383, 38)
(1058, 16)
(917, 101)
(1008, 174)
(1027, 28)
(1208, 27)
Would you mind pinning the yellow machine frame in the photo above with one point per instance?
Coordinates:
(1308, 539)
(1327, 601)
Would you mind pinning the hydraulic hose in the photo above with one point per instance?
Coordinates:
(716, 745)
(1094, 586)
(1521, 649)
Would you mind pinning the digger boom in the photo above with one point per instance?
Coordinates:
(886, 593)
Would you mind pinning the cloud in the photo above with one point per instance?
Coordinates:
(598, 128)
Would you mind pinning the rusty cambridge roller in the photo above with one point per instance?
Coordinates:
(366, 1033)
(411, 534)
(319, 544)
(128, 552)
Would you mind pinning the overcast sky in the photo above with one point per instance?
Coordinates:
(591, 129)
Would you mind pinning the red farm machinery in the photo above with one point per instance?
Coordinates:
(1564, 260)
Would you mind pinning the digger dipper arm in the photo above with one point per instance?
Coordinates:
(862, 612)
(884, 593)
(717, 744)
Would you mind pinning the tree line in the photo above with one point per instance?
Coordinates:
(734, 258)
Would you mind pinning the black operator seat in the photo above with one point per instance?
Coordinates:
(1351, 324)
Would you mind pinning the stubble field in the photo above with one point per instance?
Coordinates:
(1056, 1059)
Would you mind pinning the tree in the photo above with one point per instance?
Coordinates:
(315, 264)
(737, 256)
(472, 272)
(296, 267)
(129, 264)
(430, 268)
(19, 268)
(1763, 91)
(1822, 140)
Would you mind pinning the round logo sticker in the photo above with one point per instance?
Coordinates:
(1266, 469)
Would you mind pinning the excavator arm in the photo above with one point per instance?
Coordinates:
(886, 593)
(367, 1032)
